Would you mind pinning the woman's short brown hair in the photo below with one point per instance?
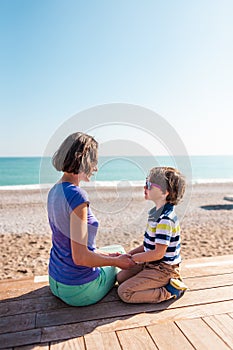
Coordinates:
(171, 180)
(77, 153)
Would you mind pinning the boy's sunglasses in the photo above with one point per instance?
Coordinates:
(149, 184)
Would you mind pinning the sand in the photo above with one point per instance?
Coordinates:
(25, 238)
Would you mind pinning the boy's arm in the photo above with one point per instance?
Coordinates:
(136, 250)
(151, 255)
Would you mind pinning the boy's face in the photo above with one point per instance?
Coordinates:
(153, 192)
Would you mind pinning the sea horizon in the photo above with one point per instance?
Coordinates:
(32, 172)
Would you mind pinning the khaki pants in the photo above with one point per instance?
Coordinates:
(145, 283)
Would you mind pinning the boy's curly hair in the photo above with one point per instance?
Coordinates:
(171, 180)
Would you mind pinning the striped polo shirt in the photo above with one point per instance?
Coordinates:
(163, 228)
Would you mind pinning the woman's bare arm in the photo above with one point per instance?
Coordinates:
(80, 253)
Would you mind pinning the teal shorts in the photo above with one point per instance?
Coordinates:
(88, 293)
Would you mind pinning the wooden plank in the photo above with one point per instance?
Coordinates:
(216, 259)
(168, 336)
(30, 336)
(207, 266)
(33, 346)
(137, 338)
(23, 290)
(223, 326)
(71, 344)
(17, 323)
(40, 303)
(197, 271)
(209, 281)
(98, 341)
(6, 282)
(37, 290)
(201, 335)
(204, 296)
(74, 330)
(8, 308)
(128, 322)
(27, 288)
(73, 315)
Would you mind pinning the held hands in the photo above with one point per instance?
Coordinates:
(114, 255)
(125, 261)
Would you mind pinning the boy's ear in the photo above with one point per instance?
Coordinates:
(166, 194)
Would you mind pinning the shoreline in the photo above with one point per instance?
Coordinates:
(107, 184)
(25, 237)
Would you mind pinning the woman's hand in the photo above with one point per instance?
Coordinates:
(114, 255)
(124, 261)
(102, 252)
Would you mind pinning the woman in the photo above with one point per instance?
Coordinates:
(78, 274)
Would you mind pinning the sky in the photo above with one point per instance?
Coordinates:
(61, 57)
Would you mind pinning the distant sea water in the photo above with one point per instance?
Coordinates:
(29, 172)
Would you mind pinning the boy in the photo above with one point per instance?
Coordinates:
(156, 275)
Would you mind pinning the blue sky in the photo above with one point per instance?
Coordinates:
(59, 57)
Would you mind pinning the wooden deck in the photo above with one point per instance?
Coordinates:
(32, 318)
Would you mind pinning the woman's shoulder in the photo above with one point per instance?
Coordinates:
(74, 195)
(71, 190)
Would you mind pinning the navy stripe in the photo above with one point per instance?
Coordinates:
(173, 258)
(166, 218)
(168, 208)
(152, 239)
(149, 246)
(172, 249)
(163, 237)
(175, 239)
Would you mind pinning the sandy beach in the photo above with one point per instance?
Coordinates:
(206, 224)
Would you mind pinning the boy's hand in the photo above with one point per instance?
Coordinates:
(125, 261)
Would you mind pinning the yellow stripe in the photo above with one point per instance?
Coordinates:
(168, 228)
(151, 229)
(164, 227)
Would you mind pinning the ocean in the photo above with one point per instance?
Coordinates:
(30, 172)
